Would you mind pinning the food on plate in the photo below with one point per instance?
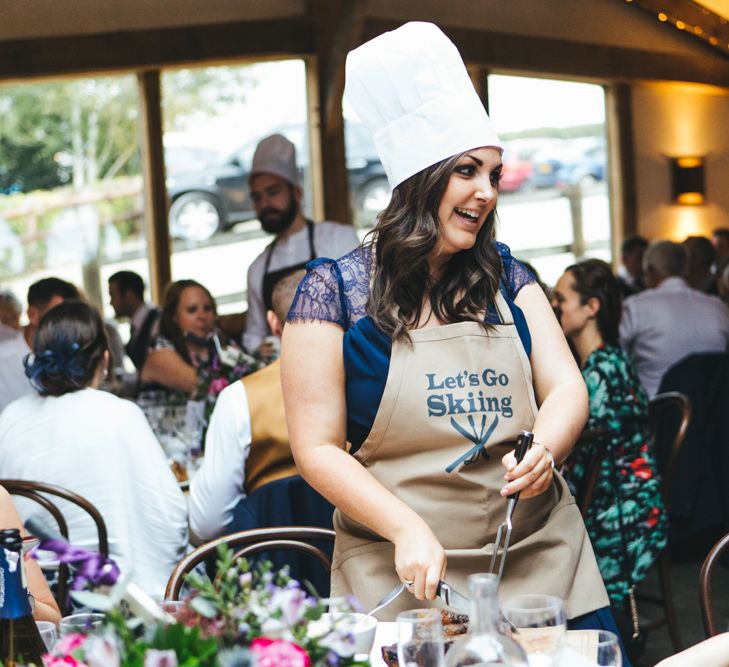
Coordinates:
(454, 625)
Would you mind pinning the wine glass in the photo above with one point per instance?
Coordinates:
(600, 647)
(539, 624)
(47, 631)
(420, 638)
(85, 623)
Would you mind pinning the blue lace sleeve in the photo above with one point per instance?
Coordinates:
(319, 296)
(516, 275)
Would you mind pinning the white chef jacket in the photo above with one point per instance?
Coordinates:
(331, 239)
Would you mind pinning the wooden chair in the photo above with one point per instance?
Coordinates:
(249, 542)
(39, 492)
(705, 585)
(675, 408)
(586, 493)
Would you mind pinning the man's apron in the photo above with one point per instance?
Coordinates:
(270, 278)
(453, 405)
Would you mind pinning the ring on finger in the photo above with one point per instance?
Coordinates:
(408, 582)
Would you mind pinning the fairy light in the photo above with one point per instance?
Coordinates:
(713, 35)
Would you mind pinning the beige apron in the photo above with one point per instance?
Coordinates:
(453, 405)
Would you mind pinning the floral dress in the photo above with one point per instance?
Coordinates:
(619, 406)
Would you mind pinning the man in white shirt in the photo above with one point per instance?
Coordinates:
(669, 321)
(14, 347)
(247, 443)
(276, 195)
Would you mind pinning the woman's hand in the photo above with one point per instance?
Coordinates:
(532, 476)
(420, 559)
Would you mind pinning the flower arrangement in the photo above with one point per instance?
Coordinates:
(223, 368)
(249, 616)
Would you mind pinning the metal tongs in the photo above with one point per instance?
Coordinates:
(503, 536)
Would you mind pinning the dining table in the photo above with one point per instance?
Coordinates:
(386, 634)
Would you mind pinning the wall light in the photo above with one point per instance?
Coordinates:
(687, 180)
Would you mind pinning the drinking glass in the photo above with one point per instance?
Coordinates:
(420, 638)
(85, 623)
(600, 647)
(540, 624)
(48, 633)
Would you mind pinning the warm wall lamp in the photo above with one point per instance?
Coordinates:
(687, 180)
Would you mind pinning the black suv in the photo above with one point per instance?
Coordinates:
(216, 196)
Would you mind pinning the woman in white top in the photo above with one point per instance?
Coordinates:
(95, 444)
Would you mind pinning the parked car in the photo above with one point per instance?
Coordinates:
(215, 197)
(554, 164)
(516, 170)
(587, 171)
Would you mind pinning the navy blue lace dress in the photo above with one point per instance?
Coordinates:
(337, 291)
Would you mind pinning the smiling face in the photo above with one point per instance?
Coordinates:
(195, 312)
(469, 198)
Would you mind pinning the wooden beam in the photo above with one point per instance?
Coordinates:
(337, 27)
(623, 194)
(542, 55)
(155, 191)
(143, 49)
(693, 20)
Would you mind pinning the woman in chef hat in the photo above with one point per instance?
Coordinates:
(429, 349)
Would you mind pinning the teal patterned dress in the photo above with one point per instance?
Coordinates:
(619, 405)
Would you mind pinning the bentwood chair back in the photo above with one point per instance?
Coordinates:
(706, 585)
(39, 492)
(670, 415)
(247, 543)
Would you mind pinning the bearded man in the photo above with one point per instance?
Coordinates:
(276, 194)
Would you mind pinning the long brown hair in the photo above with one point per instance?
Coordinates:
(405, 234)
(168, 327)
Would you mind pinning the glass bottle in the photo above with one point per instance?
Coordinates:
(20, 641)
(485, 644)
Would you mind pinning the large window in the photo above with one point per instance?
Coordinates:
(214, 117)
(554, 205)
(70, 184)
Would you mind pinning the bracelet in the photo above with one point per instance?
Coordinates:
(551, 456)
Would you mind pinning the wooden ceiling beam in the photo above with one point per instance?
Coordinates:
(145, 49)
(542, 55)
(692, 19)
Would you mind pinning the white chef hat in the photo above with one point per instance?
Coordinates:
(275, 155)
(411, 89)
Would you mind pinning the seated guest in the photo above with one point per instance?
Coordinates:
(126, 295)
(628, 496)
(96, 444)
(700, 263)
(185, 353)
(720, 241)
(630, 272)
(45, 607)
(9, 310)
(247, 442)
(42, 296)
(669, 321)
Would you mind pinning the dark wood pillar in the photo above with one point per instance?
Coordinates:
(622, 167)
(337, 25)
(155, 190)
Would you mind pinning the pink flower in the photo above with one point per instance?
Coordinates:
(69, 643)
(61, 661)
(155, 658)
(217, 385)
(279, 653)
